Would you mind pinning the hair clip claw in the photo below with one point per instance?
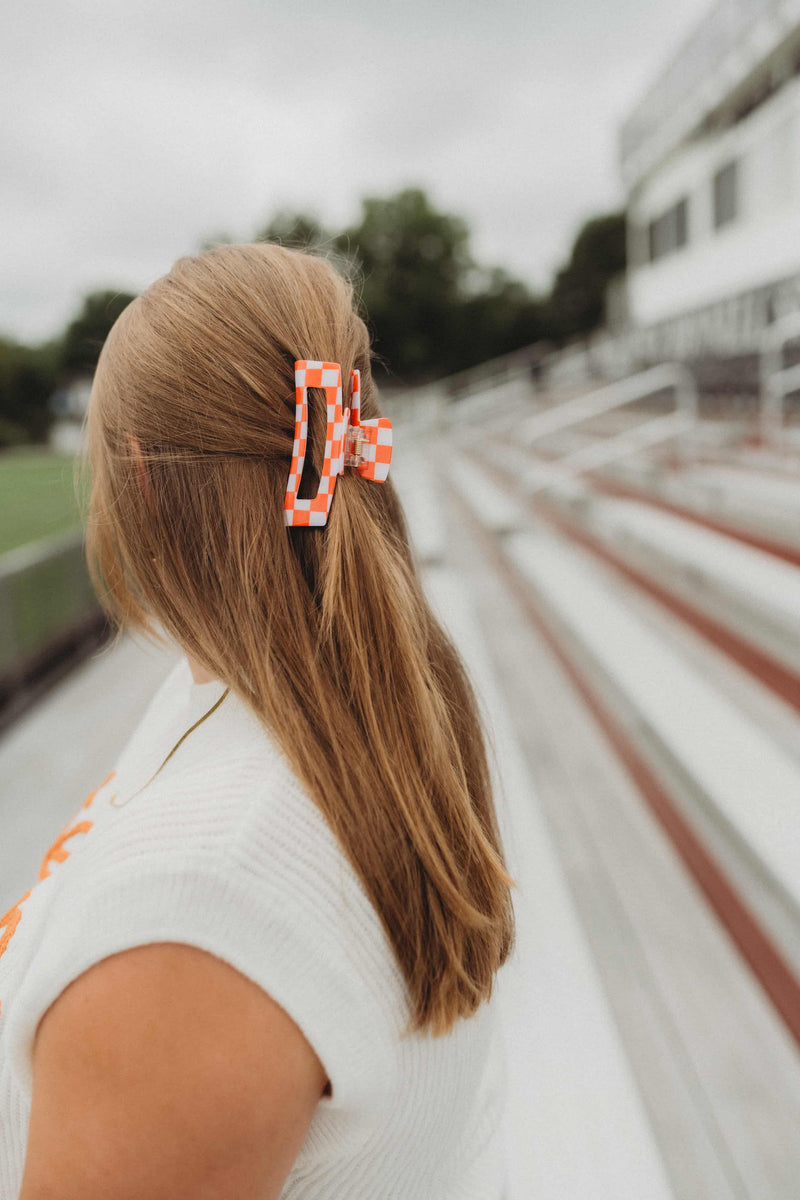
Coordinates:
(365, 445)
(354, 453)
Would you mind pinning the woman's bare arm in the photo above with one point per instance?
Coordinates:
(162, 1073)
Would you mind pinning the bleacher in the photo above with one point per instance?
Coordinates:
(637, 584)
(628, 606)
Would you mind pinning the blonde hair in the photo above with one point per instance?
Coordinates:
(324, 633)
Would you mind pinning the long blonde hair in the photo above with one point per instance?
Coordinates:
(324, 633)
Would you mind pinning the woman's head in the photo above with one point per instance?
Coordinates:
(195, 390)
(323, 631)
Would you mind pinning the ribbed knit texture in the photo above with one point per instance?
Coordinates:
(226, 851)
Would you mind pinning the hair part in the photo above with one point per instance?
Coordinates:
(325, 633)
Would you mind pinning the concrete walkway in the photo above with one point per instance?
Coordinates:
(63, 748)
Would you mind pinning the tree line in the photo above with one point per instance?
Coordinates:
(432, 309)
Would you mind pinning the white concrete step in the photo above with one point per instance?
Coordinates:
(499, 510)
(751, 591)
(761, 502)
(420, 497)
(748, 587)
(576, 1124)
(717, 1069)
(735, 487)
(750, 784)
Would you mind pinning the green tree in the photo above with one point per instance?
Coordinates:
(502, 315)
(84, 336)
(414, 262)
(578, 294)
(299, 231)
(221, 239)
(431, 310)
(27, 376)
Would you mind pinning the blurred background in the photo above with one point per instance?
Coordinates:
(578, 228)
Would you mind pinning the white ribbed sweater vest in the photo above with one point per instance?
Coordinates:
(226, 851)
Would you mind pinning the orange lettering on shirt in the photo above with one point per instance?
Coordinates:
(9, 921)
(57, 853)
(92, 795)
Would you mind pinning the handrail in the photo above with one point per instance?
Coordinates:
(501, 367)
(777, 381)
(456, 398)
(463, 383)
(31, 554)
(601, 453)
(45, 590)
(614, 395)
(543, 476)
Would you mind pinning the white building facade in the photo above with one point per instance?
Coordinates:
(710, 158)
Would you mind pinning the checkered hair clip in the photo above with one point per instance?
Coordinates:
(349, 441)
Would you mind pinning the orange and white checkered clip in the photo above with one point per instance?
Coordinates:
(366, 445)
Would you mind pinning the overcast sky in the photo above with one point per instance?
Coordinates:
(131, 131)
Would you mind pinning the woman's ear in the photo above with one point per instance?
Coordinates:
(141, 471)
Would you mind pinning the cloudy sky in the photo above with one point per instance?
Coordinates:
(132, 131)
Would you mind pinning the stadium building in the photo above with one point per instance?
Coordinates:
(710, 160)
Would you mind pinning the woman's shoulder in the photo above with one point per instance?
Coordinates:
(228, 807)
(227, 851)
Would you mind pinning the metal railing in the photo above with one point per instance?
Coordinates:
(777, 381)
(610, 448)
(45, 592)
(465, 395)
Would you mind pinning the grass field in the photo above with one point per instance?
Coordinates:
(37, 496)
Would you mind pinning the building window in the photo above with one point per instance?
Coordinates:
(726, 193)
(669, 232)
(652, 243)
(681, 223)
